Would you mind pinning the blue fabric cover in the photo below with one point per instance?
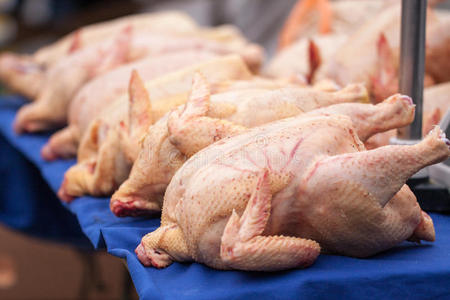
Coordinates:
(407, 271)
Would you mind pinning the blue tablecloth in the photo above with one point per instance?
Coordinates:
(407, 271)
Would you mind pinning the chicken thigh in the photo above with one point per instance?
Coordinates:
(309, 187)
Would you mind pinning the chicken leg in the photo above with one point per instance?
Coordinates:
(394, 112)
(391, 166)
(372, 192)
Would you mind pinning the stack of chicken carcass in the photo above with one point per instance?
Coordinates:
(253, 168)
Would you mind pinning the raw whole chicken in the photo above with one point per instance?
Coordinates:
(305, 56)
(99, 93)
(203, 121)
(64, 79)
(312, 17)
(346, 66)
(70, 74)
(24, 73)
(105, 159)
(328, 32)
(385, 79)
(437, 58)
(111, 142)
(309, 187)
(436, 103)
(336, 54)
(380, 33)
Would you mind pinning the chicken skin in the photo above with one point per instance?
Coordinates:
(310, 186)
(206, 119)
(98, 94)
(64, 79)
(25, 73)
(111, 142)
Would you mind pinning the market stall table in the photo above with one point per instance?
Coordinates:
(408, 270)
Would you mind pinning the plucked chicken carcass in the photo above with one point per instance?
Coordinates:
(373, 68)
(206, 119)
(309, 187)
(111, 141)
(336, 54)
(24, 73)
(326, 24)
(100, 92)
(65, 78)
(319, 17)
(309, 53)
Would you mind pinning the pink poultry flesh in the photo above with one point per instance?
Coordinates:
(68, 75)
(25, 73)
(275, 196)
(100, 93)
(111, 141)
(206, 119)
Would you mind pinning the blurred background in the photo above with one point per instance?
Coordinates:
(28, 24)
(34, 268)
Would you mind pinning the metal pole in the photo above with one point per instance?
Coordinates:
(412, 60)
